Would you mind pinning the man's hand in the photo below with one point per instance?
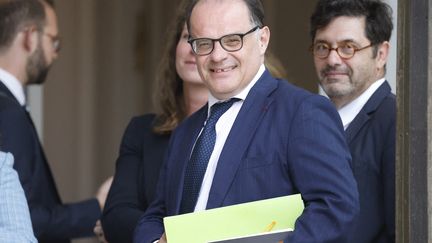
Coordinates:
(103, 190)
(98, 230)
(163, 239)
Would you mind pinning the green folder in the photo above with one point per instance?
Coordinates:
(234, 221)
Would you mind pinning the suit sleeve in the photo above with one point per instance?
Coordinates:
(65, 221)
(123, 208)
(55, 221)
(389, 170)
(150, 226)
(318, 159)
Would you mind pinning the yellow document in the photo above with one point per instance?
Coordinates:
(234, 221)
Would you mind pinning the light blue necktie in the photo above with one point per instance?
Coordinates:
(200, 157)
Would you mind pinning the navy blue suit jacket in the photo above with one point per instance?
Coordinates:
(371, 138)
(284, 140)
(52, 221)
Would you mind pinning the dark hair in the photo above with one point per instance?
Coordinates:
(255, 7)
(16, 15)
(50, 2)
(377, 13)
(168, 98)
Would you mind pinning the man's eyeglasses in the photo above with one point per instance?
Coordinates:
(231, 43)
(344, 50)
(55, 40)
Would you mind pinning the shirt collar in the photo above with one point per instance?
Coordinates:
(14, 86)
(243, 94)
(351, 110)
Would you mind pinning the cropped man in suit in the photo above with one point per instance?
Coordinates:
(29, 44)
(273, 140)
(350, 47)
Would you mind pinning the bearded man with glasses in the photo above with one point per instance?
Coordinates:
(350, 47)
(29, 45)
(257, 138)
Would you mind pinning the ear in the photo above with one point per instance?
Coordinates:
(382, 54)
(264, 39)
(31, 39)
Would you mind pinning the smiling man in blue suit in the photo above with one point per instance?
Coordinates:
(353, 76)
(257, 138)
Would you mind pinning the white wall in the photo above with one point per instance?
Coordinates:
(35, 105)
(391, 65)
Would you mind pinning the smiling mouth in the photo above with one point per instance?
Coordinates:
(222, 70)
(334, 74)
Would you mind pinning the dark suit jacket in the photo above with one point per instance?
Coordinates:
(284, 140)
(52, 221)
(135, 179)
(371, 138)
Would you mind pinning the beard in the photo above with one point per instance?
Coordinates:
(37, 67)
(338, 87)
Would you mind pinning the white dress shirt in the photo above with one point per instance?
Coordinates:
(223, 128)
(351, 110)
(14, 86)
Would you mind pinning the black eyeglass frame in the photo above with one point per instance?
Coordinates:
(56, 41)
(192, 42)
(343, 56)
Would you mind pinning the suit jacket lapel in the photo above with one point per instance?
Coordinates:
(6, 92)
(364, 115)
(190, 134)
(248, 119)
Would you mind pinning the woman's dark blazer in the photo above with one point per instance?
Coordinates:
(135, 179)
